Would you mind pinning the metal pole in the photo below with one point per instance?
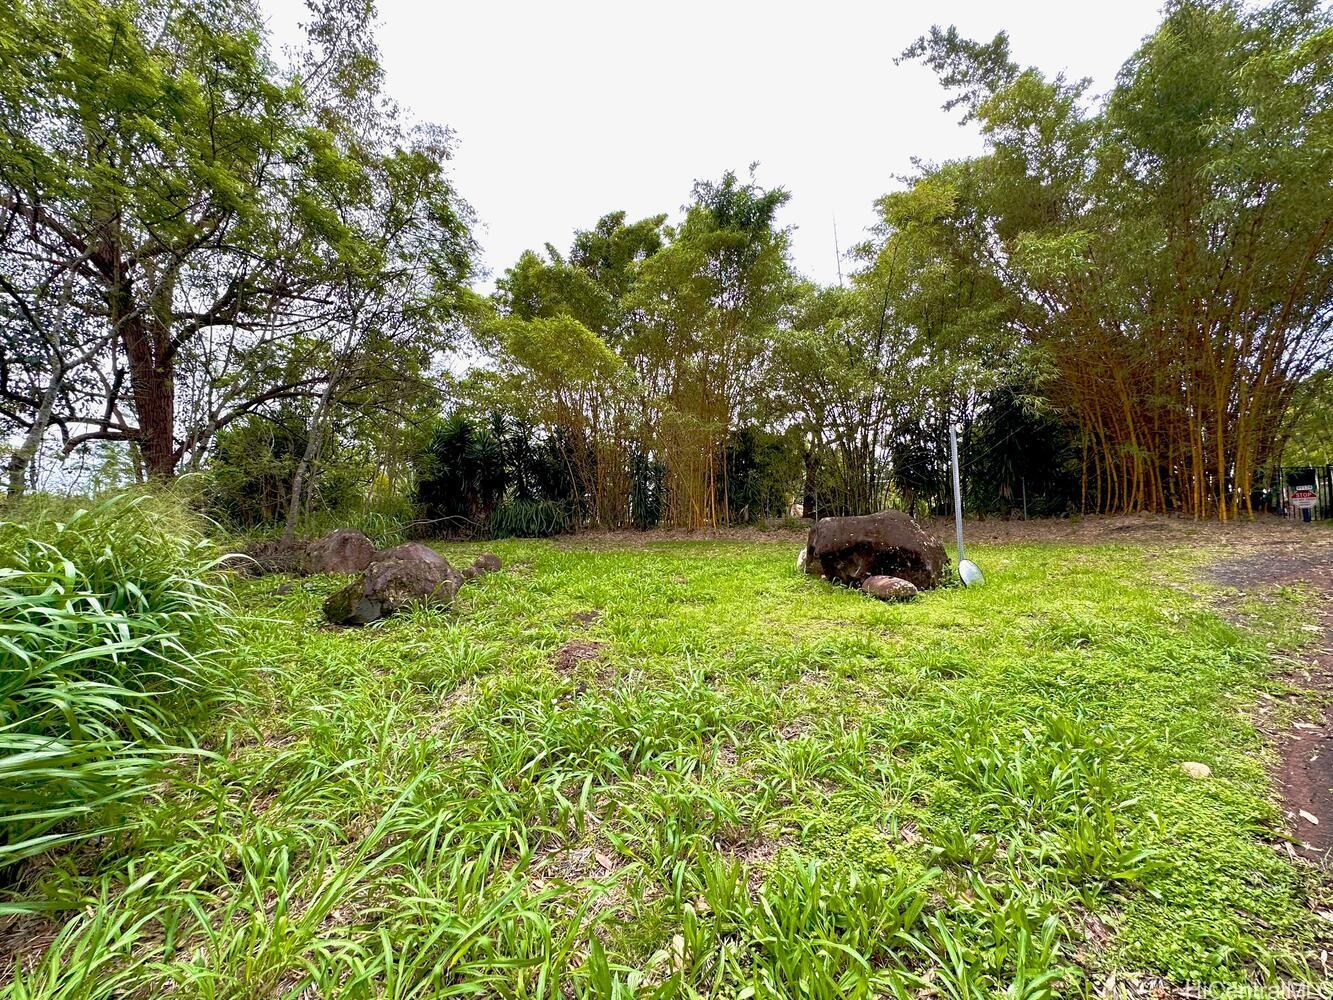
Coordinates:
(957, 490)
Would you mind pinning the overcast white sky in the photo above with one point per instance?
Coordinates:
(566, 111)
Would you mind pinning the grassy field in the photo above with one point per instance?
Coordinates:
(686, 769)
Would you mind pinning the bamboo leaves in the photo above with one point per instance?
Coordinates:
(1167, 248)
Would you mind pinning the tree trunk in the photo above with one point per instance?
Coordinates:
(23, 456)
(809, 497)
(312, 443)
(147, 341)
(21, 461)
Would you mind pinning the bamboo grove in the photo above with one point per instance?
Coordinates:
(1168, 251)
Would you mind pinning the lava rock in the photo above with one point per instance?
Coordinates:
(350, 606)
(343, 550)
(395, 579)
(888, 588)
(850, 549)
(485, 563)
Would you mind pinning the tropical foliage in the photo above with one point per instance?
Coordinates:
(206, 245)
(1166, 250)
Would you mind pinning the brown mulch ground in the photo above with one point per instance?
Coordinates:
(576, 651)
(1305, 772)
(1088, 529)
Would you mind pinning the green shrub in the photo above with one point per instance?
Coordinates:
(764, 472)
(460, 475)
(110, 616)
(530, 519)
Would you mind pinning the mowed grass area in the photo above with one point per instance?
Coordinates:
(741, 782)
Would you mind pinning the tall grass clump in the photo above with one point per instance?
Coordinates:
(111, 616)
(531, 519)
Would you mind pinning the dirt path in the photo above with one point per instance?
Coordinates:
(1305, 771)
(1092, 529)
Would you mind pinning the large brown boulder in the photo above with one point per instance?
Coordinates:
(343, 550)
(395, 579)
(850, 549)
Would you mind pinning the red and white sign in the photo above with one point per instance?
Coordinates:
(1304, 497)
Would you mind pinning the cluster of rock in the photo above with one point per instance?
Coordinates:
(404, 576)
(388, 580)
(342, 551)
(886, 555)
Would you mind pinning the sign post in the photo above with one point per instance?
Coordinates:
(957, 490)
(1304, 499)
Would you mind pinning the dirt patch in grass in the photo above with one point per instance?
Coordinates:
(572, 864)
(23, 939)
(585, 619)
(576, 652)
(1305, 772)
(1278, 560)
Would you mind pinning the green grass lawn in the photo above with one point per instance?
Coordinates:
(742, 782)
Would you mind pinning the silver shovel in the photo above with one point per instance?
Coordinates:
(968, 571)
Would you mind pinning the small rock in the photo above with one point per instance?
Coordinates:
(1196, 770)
(487, 562)
(283, 590)
(888, 588)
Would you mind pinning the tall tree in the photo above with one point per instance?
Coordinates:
(138, 145)
(711, 301)
(153, 154)
(392, 248)
(1167, 250)
(562, 345)
(876, 371)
